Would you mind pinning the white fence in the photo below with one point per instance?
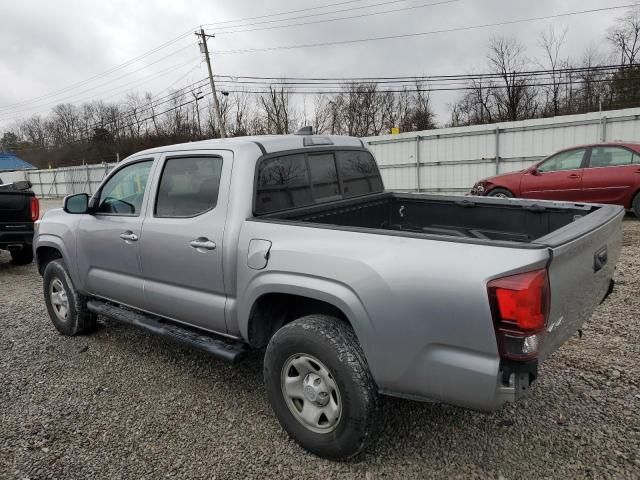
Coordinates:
(447, 160)
(58, 182)
(451, 160)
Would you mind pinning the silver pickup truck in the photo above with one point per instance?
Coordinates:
(291, 243)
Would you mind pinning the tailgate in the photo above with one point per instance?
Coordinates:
(580, 271)
(15, 207)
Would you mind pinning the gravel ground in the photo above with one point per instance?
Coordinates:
(124, 404)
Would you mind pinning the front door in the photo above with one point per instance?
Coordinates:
(181, 246)
(557, 178)
(611, 176)
(108, 239)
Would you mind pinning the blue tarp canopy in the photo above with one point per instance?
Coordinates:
(8, 161)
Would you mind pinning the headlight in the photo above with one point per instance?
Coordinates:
(478, 189)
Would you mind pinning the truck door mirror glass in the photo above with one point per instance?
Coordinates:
(76, 204)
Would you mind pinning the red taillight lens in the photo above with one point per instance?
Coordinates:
(35, 209)
(520, 306)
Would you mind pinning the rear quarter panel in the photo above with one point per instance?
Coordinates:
(419, 307)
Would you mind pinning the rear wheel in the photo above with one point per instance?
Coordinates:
(636, 205)
(320, 387)
(66, 307)
(500, 193)
(23, 256)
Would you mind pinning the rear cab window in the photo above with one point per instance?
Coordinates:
(302, 179)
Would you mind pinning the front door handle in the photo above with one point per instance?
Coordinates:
(574, 175)
(202, 243)
(129, 236)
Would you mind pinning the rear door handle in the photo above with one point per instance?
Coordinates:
(129, 236)
(202, 243)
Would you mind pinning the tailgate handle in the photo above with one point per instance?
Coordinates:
(600, 259)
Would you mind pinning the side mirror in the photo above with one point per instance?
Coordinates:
(534, 171)
(76, 204)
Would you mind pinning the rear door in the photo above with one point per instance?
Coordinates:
(108, 240)
(611, 175)
(181, 246)
(557, 178)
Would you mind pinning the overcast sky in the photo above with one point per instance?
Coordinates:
(46, 46)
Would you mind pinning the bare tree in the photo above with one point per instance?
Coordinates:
(552, 42)
(516, 98)
(277, 110)
(625, 37)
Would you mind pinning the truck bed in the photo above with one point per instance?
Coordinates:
(458, 218)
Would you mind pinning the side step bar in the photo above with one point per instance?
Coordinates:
(216, 345)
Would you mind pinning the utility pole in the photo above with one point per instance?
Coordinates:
(203, 37)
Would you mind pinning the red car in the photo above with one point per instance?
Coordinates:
(599, 173)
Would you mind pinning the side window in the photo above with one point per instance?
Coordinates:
(569, 160)
(324, 177)
(636, 158)
(124, 191)
(283, 182)
(188, 186)
(610, 157)
(359, 173)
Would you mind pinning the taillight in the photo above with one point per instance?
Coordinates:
(35, 209)
(520, 307)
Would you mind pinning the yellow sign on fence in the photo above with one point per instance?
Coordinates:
(395, 130)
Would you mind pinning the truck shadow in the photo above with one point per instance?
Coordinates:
(6, 265)
(433, 433)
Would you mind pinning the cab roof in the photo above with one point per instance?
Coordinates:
(266, 143)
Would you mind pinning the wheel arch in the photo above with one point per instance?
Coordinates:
(48, 248)
(280, 298)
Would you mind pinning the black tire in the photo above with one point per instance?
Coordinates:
(24, 256)
(501, 193)
(334, 344)
(78, 320)
(636, 205)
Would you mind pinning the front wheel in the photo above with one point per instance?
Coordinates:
(636, 205)
(500, 193)
(320, 387)
(66, 307)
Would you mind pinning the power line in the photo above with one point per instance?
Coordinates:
(102, 74)
(307, 9)
(418, 34)
(469, 76)
(333, 19)
(60, 100)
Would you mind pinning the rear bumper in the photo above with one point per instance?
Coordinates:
(466, 379)
(16, 236)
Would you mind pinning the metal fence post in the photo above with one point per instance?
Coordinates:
(603, 129)
(497, 150)
(417, 153)
(55, 182)
(88, 180)
(40, 183)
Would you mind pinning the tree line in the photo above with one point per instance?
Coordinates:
(513, 86)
